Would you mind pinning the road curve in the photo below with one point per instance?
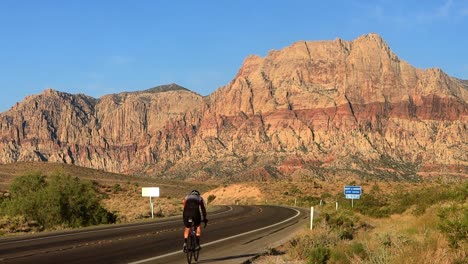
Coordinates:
(233, 235)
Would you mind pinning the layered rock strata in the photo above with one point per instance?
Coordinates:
(335, 104)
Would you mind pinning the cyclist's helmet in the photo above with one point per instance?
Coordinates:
(195, 192)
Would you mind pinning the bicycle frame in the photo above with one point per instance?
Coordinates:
(192, 243)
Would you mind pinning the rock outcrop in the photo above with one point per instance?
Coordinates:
(336, 105)
(119, 132)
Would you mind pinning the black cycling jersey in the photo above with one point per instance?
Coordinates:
(192, 206)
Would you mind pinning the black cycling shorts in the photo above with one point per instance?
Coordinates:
(196, 219)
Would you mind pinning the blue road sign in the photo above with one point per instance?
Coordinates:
(356, 190)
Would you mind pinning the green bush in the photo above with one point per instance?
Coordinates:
(426, 197)
(319, 255)
(299, 245)
(454, 224)
(341, 220)
(377, 205)
(342, 223)
(373, 205)
(313, 247)
(211, 198)
(117, 188)
(357, 249)
(60, 201)
(29, 183)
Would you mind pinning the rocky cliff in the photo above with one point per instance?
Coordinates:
(119, 132)
(313, 106)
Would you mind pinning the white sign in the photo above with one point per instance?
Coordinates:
(150, 192)
(352, 196)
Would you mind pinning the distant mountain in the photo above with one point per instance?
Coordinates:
(465, 82)
(165, 88)
(314, 108)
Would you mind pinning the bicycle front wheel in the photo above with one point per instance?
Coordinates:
(196, 253)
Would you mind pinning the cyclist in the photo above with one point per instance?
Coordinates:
(192, 204)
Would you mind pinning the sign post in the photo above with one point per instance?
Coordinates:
(352, 192)
(150, 192)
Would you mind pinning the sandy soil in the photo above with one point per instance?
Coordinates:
(235, 193)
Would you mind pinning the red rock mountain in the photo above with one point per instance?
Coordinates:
(313, 108)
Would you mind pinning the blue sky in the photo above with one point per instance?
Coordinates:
(102, 47)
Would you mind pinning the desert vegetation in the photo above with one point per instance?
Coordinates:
(51, 202)
(420, 224)
(394, 221)
(36, 197)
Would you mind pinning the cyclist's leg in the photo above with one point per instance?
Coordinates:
(186, 232)
(197, 236)
(198, 228)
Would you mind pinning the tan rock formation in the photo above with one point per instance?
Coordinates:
(331, 104)
(119, 133)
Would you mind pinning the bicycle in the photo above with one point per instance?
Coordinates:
(191, 250)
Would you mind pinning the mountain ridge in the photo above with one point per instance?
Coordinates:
(312, 105)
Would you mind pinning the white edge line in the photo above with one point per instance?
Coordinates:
(98, 231)
(220, 240)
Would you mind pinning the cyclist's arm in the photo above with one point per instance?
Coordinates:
(203, 207)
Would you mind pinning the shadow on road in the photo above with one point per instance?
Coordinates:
(213, 260)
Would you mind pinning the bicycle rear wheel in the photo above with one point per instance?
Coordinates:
(189, 251)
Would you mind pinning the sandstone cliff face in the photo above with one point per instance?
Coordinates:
(338, 100)
(329, 104)
(119, 132)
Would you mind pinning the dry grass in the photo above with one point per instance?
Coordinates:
(407, 238)
(129, 206)
(400, 238)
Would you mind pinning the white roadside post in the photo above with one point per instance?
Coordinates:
(150, 192)
(311, 217)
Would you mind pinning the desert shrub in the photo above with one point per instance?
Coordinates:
(426, 197)
(326, 195)
(29, 183)
(347, 253)
(116, 188)
(338, 220)
(15, 224)
(318, 255)
(373, 205)
(308, 200)
(357, 249)
(61, 201)
(295, 190)
(454, 224)
(211, 198)
(376, 205)
(342, 223)
(301, 246)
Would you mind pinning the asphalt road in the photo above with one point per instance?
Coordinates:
(233, 235)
